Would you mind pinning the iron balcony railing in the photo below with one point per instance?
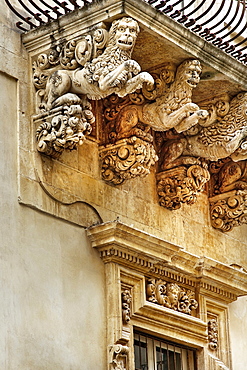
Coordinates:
(221, 22)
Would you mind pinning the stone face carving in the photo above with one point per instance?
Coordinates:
(126, 301)
(119, 357)
(213, 334)
(228, 201)
(92, 68)
(171, 295)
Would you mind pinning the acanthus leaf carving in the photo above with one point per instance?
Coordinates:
(171, 295)
(64, 129)
(181, 185)
(127, 159)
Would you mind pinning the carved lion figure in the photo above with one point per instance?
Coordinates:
(112, 72)
(174, 108)
(223, 138)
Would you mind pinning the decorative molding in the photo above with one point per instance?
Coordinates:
(119, 357)
(147, 254)
(213, 334)
(171, 295)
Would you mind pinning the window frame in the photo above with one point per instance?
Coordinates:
(151, 343)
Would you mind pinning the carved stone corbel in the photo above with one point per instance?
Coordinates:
(181, 185)
(68, 75)
(228, 201)
(64, 128)
(119, 357)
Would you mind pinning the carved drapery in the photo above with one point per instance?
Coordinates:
(171, 295)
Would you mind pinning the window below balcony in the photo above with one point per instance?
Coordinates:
(154, 354)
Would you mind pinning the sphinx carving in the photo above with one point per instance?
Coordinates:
(92, 68)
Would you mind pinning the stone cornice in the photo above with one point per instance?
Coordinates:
(132, 248)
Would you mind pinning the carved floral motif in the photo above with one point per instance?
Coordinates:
(126, 302)
(119, 357)
(171, 295)
(213, 334)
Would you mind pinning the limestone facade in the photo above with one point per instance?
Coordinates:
(118, 212)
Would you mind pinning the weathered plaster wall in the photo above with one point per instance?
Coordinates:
(52, 313)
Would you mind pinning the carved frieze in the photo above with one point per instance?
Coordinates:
(213, 334)
(171, 295)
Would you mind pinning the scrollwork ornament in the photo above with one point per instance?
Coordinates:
(181, 185)
(213, 334)
(64, 130)
(119, 357)
(126, 159)
(229, 211)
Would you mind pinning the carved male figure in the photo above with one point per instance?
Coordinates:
(174, 108)
(222, 138)
(112, 72)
